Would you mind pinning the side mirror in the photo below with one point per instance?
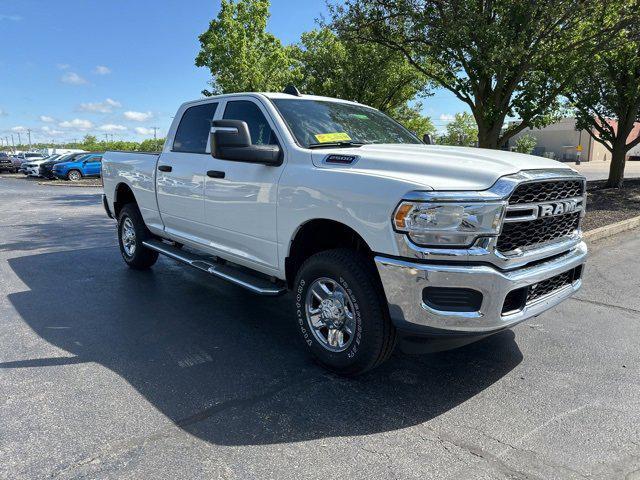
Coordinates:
(426, 138)
(230, 140)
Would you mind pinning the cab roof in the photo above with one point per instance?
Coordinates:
(274, 96)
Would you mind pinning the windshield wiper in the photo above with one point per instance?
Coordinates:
(335, 144)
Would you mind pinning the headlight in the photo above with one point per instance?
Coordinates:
(448, 224)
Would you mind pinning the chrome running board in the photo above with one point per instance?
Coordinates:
(254, 283)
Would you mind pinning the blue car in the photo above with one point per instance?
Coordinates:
(89, 165)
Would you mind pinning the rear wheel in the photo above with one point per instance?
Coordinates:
(74, 175)
(341, 312)
(131, 233)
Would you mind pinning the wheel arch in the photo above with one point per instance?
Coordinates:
(123, 194)
(317, 235)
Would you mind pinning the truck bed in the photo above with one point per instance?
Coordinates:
(137, 170)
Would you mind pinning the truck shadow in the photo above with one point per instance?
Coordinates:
(227, 366)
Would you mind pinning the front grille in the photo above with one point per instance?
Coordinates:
(542, 230)
(552, 284)
(546, 191)
(529, 233)
(517, 299)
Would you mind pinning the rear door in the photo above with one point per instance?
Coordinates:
(181, 171)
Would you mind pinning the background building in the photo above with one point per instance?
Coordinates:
(561, 141)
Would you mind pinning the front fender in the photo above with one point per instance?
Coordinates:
(361, 201)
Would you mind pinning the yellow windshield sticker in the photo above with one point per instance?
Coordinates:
(332, 137)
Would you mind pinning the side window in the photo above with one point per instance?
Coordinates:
(193, 132)
(249, 112)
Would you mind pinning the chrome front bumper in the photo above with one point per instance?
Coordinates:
(404, 282)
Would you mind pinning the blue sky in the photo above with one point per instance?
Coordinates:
(72, 67)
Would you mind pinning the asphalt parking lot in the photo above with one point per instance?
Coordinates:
(110, 373)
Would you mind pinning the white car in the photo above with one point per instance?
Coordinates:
(378, 236)
(31, 167)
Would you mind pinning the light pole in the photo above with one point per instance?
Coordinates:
(29, 133)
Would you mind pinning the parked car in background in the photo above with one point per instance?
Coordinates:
(89, 165)
(6, 164)
(28, 159)
(32, 167)
(46, 167)
(17, 162)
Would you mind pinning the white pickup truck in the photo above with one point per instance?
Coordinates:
(378, 235)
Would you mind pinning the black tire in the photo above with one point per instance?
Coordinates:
(72, 173)
(374, 337)
(141, 258)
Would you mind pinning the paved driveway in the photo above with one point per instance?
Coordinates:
(110, 373)
(599, 170)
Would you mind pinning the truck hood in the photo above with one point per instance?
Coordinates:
(437, 167)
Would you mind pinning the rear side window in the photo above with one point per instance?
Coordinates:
(193, 132)
(247, 111)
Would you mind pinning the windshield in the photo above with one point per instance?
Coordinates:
(33, 155)
(316, 123)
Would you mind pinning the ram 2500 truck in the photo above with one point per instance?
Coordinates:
(377, 235)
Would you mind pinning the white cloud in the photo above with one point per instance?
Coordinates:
(47, 130)
(138, 116)
(102, 70)
(13, 18)
(144, 131)
(110, 127)
(72, 78)
(62, 66)
(19, 129)
(46, 118)
(100, 107)
(447, 117)
(76, 123)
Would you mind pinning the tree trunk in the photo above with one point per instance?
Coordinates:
(618, 160)
(488, 136)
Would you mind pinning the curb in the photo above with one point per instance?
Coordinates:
(67, 184)
(614, 228)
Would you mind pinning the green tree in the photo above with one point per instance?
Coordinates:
(462, 130)
(503, 58)
(411, 118)
(525, 143)
(607, 100)
(152, 145)
(240, 54)
(343, 67)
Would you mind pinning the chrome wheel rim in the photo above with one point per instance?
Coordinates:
(330, 314)
(128, 237)
(74, 176)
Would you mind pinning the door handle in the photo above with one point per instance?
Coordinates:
(215, 174)
(165, 168)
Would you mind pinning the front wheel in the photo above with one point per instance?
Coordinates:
(131, 233)
(342, 313)
(74, 175)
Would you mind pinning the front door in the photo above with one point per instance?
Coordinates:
(180, 174)
(92, 167)
(240, 198)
